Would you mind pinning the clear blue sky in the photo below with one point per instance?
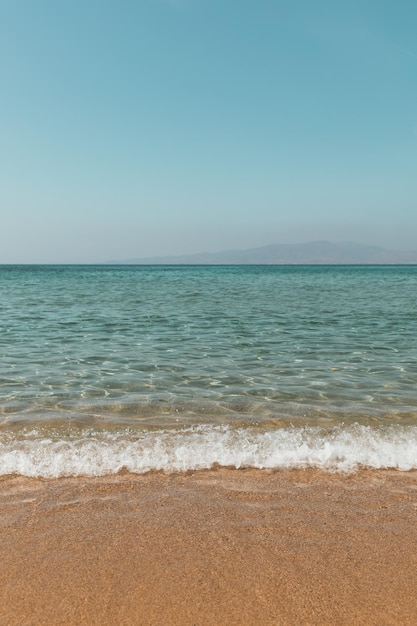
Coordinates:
(134, 128)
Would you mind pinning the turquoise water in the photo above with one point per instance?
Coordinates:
(127, 353)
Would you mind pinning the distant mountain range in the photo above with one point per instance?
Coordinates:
(311, 253)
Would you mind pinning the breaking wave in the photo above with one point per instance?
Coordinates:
(341, 449)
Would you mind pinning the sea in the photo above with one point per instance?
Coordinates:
(105, 369)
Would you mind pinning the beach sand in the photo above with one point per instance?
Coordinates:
(211, 547)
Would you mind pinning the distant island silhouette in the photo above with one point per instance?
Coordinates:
(309, 253)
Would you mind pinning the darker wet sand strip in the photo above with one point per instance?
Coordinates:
(209, 548)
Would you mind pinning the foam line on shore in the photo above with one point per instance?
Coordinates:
(341, 449)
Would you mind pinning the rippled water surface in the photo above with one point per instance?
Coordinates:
(166, 346)
(176, 368)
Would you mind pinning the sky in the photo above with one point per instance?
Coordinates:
(136, 128)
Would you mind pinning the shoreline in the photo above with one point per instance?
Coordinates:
(210, 547)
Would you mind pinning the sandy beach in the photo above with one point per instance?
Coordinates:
(210, 547)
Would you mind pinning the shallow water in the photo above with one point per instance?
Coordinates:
(128, 353)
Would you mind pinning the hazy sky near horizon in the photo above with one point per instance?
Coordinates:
(136, 128)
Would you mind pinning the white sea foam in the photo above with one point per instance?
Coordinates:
(342, 449)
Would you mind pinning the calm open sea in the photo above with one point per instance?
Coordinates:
(176, 368)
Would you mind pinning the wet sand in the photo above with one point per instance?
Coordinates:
(210, 548)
